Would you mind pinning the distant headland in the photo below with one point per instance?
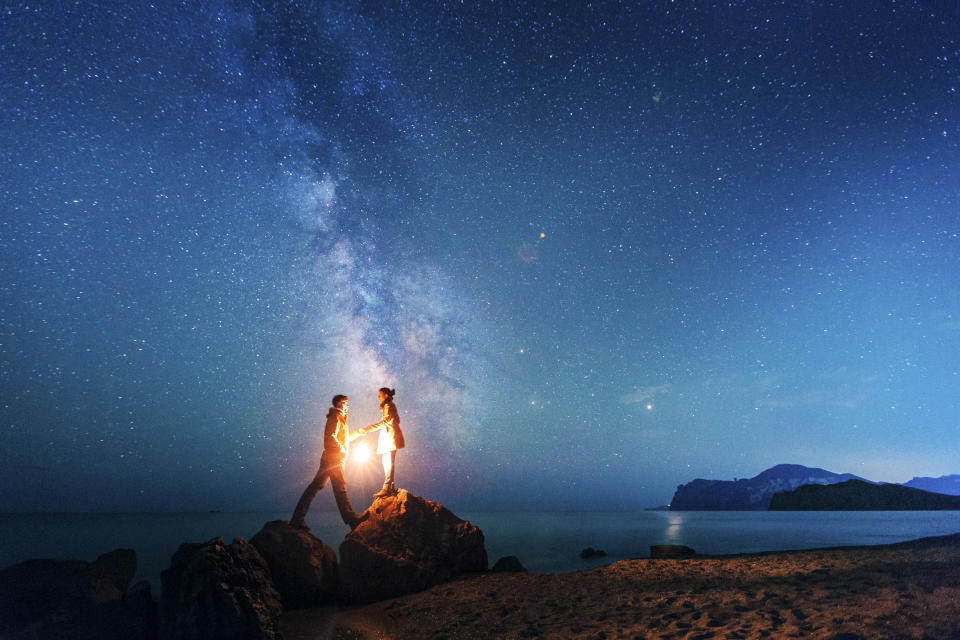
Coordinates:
(857, 495)
(756, 494)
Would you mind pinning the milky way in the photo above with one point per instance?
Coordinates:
(598, 250)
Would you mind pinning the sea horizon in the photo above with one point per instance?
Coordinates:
(544, 541)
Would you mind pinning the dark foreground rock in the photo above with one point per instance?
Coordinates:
(407, 544)
(213, 590)
(304, 569)
(75, 599)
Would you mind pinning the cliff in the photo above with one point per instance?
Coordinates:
(949, 485)
(751, 493)
(857, 495)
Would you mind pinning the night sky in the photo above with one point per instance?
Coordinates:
(599, 249)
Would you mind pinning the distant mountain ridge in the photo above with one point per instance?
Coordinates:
(751, 494)
(949, 485)
(857, 495)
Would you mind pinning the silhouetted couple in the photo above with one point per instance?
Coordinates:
(336, 446)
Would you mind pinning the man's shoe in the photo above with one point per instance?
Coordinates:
(383, 492)
(299, 524)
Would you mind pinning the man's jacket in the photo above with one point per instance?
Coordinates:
(335, 435)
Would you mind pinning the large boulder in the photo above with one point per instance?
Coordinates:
(304, 569)
(215, 590)
(407, 544)
(53, 598)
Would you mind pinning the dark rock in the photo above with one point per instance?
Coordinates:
(111, 574)
(671, 551)
(590, 552)
(213, 590)
(508, 564)
(141, 610)
(304, 569)
(752, 493)
(51, 598)
(407, 544)
(856, 495)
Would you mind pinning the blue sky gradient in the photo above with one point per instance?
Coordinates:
(598, 250)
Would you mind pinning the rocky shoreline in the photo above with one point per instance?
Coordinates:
(219, 590)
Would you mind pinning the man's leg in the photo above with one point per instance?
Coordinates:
(339, 486)
(300, 512)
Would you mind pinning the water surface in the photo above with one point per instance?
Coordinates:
(545, 542)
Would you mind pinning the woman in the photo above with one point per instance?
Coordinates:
(391, 439)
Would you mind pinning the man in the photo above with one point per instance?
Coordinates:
(336, 444)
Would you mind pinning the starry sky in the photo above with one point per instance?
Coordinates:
(599, 248)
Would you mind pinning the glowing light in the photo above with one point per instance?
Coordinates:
(542, 235)
(360, 452)
(649, 407)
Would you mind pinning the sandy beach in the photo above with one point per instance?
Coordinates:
(907, 590)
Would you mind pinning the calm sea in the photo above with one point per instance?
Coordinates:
(545, 542)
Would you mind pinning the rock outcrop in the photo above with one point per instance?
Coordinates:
(856, 495)
(751, 493)
(214, 590)
(407, 544)
(304, 569)
(76, 599)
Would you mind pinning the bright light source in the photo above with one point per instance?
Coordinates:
(360, 452)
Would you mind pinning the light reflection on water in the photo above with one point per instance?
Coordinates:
(674, 523)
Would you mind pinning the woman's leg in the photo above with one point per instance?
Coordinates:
(388, 460)
(389, 467)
